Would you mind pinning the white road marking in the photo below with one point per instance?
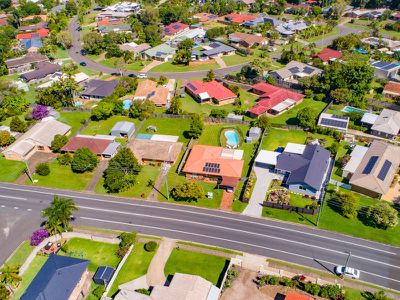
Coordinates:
(29, 209)
(214, 216)
(3, 206)
(239, 230)
(12, 197)
(231, 241)
(16, 207)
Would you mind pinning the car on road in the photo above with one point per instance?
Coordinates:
(83, 64)
(83, 52)
(347, 272)
(142, 76)
(79, 28)
(131, 75)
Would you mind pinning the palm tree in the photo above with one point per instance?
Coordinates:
(10, 276)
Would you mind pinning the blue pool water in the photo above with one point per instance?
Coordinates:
(360, 50)
(349, 109)
(144, 136)
(127, 104)
(232, 138)
(78, 103)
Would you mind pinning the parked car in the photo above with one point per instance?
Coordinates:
(347, 271)
(79, 28)
(83, 64)
(131, 75)
(83, 52)
(142, 76)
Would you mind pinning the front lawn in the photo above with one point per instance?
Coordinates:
(170, 67)
(232, 60)
(105, 126)
(210, 267)
(281, 214)
(21, 254)
(62, 177)
(10, 170)
(135, 66)
(74, 119)
(168, 126)
(60, 53)
(134, 267)
(335, 31)
(98, 253)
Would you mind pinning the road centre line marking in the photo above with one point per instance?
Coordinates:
(12, 197)
(228, 240)
(209, 215)
(237, 230)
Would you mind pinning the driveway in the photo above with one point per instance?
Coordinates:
(264, 178)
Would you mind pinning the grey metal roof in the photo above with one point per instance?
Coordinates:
(123, 126)
(217, 48)
(57, 278)
(100, 88)
(111, 149)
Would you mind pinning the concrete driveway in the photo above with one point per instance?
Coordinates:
(264, 178)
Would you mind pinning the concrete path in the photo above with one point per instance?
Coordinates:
(264, 178)
(97, 175)
(155, 272)
(151, 65)
(159, 183)
(220, 62)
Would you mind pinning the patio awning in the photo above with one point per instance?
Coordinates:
(229, 181)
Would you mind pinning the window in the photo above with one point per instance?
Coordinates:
(302, 188)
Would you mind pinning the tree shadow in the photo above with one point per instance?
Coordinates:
(292, 121)
(222, 274)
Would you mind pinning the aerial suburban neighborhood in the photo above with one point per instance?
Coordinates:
(199, 149)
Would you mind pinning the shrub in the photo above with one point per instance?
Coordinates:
(43, 169)
(273, 280)
(58, 142)
(122, 250)
(64, 159)
(40, 112)
(288, 282)
(99, 291)
(17, 124)
(150, 246)
(143, 291)
(39, 236)
(4, 292)
(127, 239)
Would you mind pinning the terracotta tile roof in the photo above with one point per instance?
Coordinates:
(392, 88)
(271, 96)
(238, 18)
(174, 28)
(148, 89)
(328, 54)
(249, 39)
(108, 21)
(95, 144)
(213, 88)
(42, 32)
(3, 22)
(205, 17)
(297, 296)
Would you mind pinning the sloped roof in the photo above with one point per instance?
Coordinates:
(42, 70)
(250, 39)
(29, 58)
(205, 17)
(214, 89)
(156, 150)
(239, 18)
(96, 144)
(174, 28)
(291, 295)
(150, 90)
(160, 51)
(217, 48)
(42, 32)
(392, 87)
(100, 88)
(297, 68)
(388, 121)
(328, 54)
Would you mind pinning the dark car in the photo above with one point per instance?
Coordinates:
(83, 64)
(83, 52)
(79, 28)
(131, 75)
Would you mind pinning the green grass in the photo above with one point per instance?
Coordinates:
(135, 66)
(135, 266)
(280, 214)
(232, 60)
(337, 171)
(99, 254)
(10, 170)
(170, 67)
(290, 118)
(105, 126)
(60, 53)
(31, 94)
(238, 206)
(74, 119)
(210, 247)
(168, 126)
(147, 173)
(62, 177)
(299, 201)
(207, 266)
(21, 254)
(335, 31)
(29, 274)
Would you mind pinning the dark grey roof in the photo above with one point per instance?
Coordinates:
(217, 48)
(104, 273)
(29, 58)
(308, 168)
(100, 88)
(57, 278)
(41, 71)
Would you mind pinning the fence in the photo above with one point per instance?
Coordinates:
(291, 208)
(384, 104)
(185, 155)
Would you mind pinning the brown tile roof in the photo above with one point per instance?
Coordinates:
(156, 150)
(27, 59)
(249, 39)
(148, 89)
(392, 88)
(95, 144)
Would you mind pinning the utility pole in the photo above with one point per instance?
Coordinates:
(347, 260)
(28, 172)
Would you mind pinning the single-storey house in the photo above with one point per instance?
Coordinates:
(120, 15)
(247, 40)
(161, 52)
(204, 17)
(356, 156)
(387, 124)
(149, 90)
(210, 91)
(376, 170)
(174, 29)
(42, 70)
(24, 63)
(239, 19)
(340, 123)
(291, 27)
(124, 6)
(123, 27)
(292, 295)
(98, 89)
(273, 99)
(37, 138)
(40, 33)
(216, 164)
(149, 151)
(61, 278)
(391, 89)
(386, 70)
(135, 48)
(33, 27)
(104, 146)
(218, 49)
(381, 42)
(293, 71)
(31, 45)
(123, 129)
(369, 14)
(328, 55)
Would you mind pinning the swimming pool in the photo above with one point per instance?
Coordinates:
(144, 136)
(127, 104)
(350, 109)
(232, 138)
(78, 103)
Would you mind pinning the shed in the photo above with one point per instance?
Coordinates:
(123, 129)
(254, 133)
(369, 118)
(266, 159)
(103, 275)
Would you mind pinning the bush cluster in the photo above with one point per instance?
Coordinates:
(230, 277)
(150, 246)
(43, 169)
(127, 240)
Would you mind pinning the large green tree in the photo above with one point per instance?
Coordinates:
(307, 117)
(348, 204)
(189, 191)
(84, 161)
(196, 127)
(383, 215)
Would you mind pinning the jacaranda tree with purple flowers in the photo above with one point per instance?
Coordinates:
(38, 236)
(40, 112)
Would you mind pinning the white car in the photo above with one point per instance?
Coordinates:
(142, 76)
(347, 271)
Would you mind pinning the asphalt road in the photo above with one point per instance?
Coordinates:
(379, 264)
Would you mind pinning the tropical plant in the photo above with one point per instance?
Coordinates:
(9, 275)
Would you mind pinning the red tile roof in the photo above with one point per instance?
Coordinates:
(3, 22)
(174, 28)
(270, 96)
(328, 54)
(204, 17)
(40, 33)
(108, 21)
(239, 18)
(95, 144)
(213, 88)
(297, 296)
(392, 88)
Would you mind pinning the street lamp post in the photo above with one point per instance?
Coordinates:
(347, 260)
(28, 172)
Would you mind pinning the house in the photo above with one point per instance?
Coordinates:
(356, 156)
(123, 129)
(78, 78)
(104, 146)
(340, 123)
(149, 90)
(37, 138)
(216, 164)
(386, 70)
(293, 71)
(387, 124)
(266, 159)
(369, 14)
(31, 45)
(380, 42)
(40, 33)
(103, 275)
(61, 278)
(125, 6)
(247, 40)
(273, 99)
(98, 89)
(204, 17)
(368, 119)
(376, 170)
(174, 29)
(161, 52)
(391, 89)
(42, 70)
(24, 63)
(210, 91)
(291, 295)
(33, 27)
(291, 27)
(195, 34)
(328, 55)
(135, 48)
(120, 15)
(305, 168)
(122, 27)
(238, 19)
(108, 21)
(218, 49)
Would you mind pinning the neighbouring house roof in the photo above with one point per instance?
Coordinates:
(40, 33)
(291, 27)
(114, 27)
(238, 18)
(377, 168)
(230, 161)
(328, 54)
(124, 127)
(108, 21)
(133, 47)
(99, 88)
(369, 118)
(29, 58)
(174, 28)
(306, 168)
(149, 90)
(33, 27)
(113, 14)
(381, 41)
(356, 156)
(42, 69)
(271, 96)
(291, 295)
(392, 88)
(205, 17)
(216, 48)
(32, 43)
(388, 121)
(386, 66)
(333, 121)
(57, 278)
(152, 150)
(97, 144)
(249, 39)
(161, 51)
(296, 68)
(213, 89)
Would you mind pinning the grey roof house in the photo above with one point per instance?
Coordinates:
(293, 71)
(387, 124)
(218, 49)
(291, 27)
(24, 63)
(42, 70)
(98, 89)
(161, 52)
(386, 70)
(60, 278)
(123, 129)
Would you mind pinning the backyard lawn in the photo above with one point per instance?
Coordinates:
(21, 254)
(62, 177)
(209, 267)
(60, 53)
(170, 67)
(10, 169)
(74, 119)
(105, 126)
(99, 253)
(134, 267)
(168, 126)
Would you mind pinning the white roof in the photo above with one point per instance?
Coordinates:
(388, 122)
(78, 78)
(295, 148)
(283, 105)
(357, 156)
(369, 118)
(204, 95)
(164, 138)
(267, 157)
(232, 153)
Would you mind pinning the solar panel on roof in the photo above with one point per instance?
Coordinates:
(340, 117)
(379, 64)
(390, 66)
(384, 170)
(334, 123)
(191, 86)
(370, 165)
(176, 26)
(294, 70)
(308, 70)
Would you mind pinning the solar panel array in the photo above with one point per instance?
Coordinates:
(370, 165)
(384, 170)
(294, 70)
(385, 65)
(192, 87)
(340, 117)
(308, 70)
(334, 123)
(212, 167)
(176, 26)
